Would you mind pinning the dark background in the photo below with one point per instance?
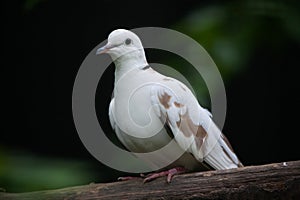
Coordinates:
(255, 44)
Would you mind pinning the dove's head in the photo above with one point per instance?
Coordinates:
(123, 45)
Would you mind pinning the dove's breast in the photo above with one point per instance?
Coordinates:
(138, 126)
(140, 129)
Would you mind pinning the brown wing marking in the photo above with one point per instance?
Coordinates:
(164, 100)
(187, 127)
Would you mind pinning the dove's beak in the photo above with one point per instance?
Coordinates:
(103, 49)
(106, 48)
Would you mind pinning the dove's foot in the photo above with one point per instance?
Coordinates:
(169, 173)
(127, 178)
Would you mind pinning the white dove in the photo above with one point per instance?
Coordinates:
(146, 102)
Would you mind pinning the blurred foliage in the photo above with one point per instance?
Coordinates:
(22, 171)
(30, 4)
(232, 32)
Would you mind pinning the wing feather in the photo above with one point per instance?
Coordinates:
(191, 125)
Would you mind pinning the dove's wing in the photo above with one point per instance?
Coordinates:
(191, 125)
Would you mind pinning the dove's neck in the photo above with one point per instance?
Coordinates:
(128, 62)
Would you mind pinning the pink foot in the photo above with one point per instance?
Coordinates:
(127, 178)
(169, 173)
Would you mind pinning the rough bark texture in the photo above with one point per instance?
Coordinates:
(272, 181)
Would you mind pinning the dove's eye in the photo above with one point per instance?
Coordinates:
(128, 41)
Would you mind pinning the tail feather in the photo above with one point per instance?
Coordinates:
(222, 156)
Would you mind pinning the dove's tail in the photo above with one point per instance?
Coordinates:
(222, 155)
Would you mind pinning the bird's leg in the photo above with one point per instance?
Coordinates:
(169, 173)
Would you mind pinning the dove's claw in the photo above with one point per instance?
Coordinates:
(150, 177)
(127, 178)
(169, 173)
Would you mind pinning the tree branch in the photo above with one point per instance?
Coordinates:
(272, 181)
